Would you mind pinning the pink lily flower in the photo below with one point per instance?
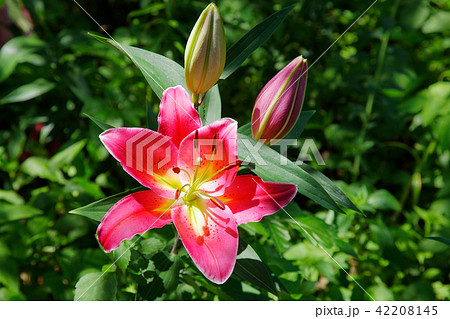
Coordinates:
(191, 172)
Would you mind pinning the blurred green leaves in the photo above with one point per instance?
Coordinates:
(20, 50)
(240, 51)
(28, 91)
(159, 71)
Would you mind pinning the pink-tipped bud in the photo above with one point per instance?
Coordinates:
(204, 58)
(278, 105)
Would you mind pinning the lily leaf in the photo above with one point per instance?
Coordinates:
(252, 40)
(211, 108)
(96, 286)
(321, 181)
(159, 71)
(246, 129)
(440, 239)
(99, 123)
(279, 234)
(98, 209)
(335, 192)
(251, 268)
(272, 166)
(122, 255)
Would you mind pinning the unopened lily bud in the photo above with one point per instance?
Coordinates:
(204, 58)
(278, 105)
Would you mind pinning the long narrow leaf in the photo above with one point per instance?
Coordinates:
(335, 192)
(98, 209)
(99, 123)
(252, 40)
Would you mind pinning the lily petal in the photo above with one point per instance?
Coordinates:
(213, 148)
(133, 214)
(146, 155)
(250, 199)
(210, 236)
(177, 116)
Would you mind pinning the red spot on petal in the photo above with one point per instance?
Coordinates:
(231, 232)
(176, 170)
(200, 240)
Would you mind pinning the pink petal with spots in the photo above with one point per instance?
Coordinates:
(133, 214)
(210, 236)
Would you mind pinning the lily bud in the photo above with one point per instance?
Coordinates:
(278, 105)
(204, 58)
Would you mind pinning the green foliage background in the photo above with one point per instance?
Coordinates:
(382, 101)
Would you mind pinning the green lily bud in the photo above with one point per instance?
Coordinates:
(204, 58)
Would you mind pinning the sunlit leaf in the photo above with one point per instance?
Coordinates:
(122, 255)
(335, 192)
(213, 106)
(159, 71)
(96, 286)
(279, 234)
(9, 212)
(67, 155)
(19, 50)
(382, 199)
(40, 167)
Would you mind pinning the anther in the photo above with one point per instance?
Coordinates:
(214, 145)
(218, 203)
(196, 139)
(237, 164)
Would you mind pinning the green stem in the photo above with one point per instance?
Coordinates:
(367, 115)
(195, 100)
(175, 246)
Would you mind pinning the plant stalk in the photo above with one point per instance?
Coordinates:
(175, 246)
(195, 100)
